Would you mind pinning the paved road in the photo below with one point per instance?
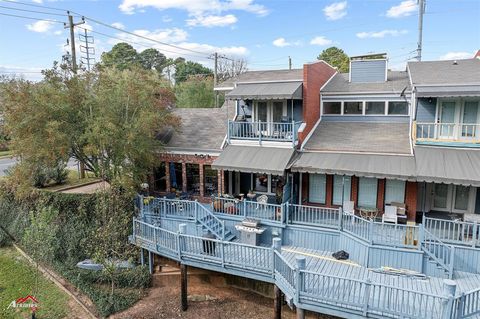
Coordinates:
(6, 163)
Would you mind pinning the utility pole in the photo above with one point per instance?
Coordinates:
(289, 63)
(71, 25)
(421, 11)
(215, 78)
(87, 48)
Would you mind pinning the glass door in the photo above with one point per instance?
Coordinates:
(262, 116)
(470, 126)
(441, 198)
(447, 120)
(277, 129)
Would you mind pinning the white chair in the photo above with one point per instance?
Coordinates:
(349, 207)
(390, 214)
(262, 200)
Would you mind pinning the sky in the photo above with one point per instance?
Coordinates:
(264, 33)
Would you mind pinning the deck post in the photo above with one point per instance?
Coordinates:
(183, 287)
(277, 303)
(142, 257)
(293, 132)
(421, 236)
(370, 232)
(368, 286)
(245, 208)
(474, 234)
(449, 289)
(277, 244)
(164, 206)
(150, 262)
(452, 263)
(301, 263)
(182, 229)
(196, 210)
(260, 132)
(461, 305)
(340, 217)
(228, 131)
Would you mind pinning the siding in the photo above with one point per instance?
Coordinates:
(322, 240)
(370, 118)
(426, 110)
(396, 258)
(368, 71)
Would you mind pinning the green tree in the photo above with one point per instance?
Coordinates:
(196, 91)
(185, 69)
(122, 56)
(336, 57)
(107, 119)
(152, 59)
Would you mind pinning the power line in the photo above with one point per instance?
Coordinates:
(34, 5)
(33, 11)
(31, 18)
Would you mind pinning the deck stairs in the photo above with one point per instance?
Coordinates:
(212, 223)
(438, 257)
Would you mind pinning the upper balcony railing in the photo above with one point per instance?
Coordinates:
(264, 131)
(447, 132)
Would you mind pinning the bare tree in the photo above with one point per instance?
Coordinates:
(228, 68)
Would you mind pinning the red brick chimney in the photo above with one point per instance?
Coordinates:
(315, 75)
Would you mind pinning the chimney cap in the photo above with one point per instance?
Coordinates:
(369, 56)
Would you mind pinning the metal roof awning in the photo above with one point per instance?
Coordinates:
(365, 165)
(448, 165)
(267, 91)
(448, 91)
(254, 159)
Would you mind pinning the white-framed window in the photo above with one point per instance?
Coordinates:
(367, 192)
(384, 108)
(317, 188)
(265, 183)
(394, 191)
(342, 187)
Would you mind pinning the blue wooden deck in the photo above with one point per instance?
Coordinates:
(349, 289)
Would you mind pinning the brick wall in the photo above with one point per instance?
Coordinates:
(381, 195)
(315, 75)
(411, 200)
(354, 194)
(329, 191)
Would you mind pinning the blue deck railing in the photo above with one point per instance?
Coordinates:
(263, 131)
(307, 289)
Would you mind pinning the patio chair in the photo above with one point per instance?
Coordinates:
(262, 200)
(349, 207)
(390, 214)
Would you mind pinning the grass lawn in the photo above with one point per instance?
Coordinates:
(74, 180)
(17, 280)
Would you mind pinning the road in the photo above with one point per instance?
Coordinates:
(7, 162)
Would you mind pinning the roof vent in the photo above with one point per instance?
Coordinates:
(368, 68)
(455, 62)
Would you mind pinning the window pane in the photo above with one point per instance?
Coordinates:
(397, 108)
(394, 191)
(316, 192)
(261, 182)
(375, 108)
(262, 111)
(352, 107)
(441, 193)
(470, 114)
(332, 107)
(338, 188)
(193, 179)
(160, 178)
(461, 197)
(277, 182)
(176, 176)
(367, 192)
(210, 183)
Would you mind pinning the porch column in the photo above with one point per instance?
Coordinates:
(184, 177)
(354, 194)
(202, 179)
(221, 182)
(183, 287)
(167, 176)
(150, 262)
(301, 263)
(329, 190)
(381, 195)
(411, 200)
(277, 303)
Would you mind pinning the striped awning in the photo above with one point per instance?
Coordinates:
(254, 159)
(267, 91)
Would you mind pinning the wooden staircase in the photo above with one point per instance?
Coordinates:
(438, 259)
(212, 223)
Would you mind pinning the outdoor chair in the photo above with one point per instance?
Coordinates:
(262, 200)
(390, 214)
(349, 209)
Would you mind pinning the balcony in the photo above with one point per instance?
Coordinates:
(453, 134)
(263, 131)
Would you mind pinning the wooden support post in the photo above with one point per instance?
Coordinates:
(449, 289)
(301, 263)
(150, 262)
(142, 257)
(277, 244)
(183, 287)
(277, 303)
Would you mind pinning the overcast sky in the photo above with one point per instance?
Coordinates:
(265, 33)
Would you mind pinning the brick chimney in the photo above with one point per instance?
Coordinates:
(315, 75)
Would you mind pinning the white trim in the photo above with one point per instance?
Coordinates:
(448, 85)
(191, 152)
(358, 153)
(223, 88)
(310, 134)
(386, 69)
(367, 93)
(269, 81)
(350, 70)
(321, 88)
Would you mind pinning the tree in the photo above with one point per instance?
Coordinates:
(185, 69)
(121, 56)
(196, 91)
(107, 119)
(335, 57)
(227, 69)
(152, 59)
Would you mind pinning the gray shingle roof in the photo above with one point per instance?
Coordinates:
(396, 82)
(263, 76)
(202, 129)
(445, 72)
(361, 137)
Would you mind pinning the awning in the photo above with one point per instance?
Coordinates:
(365, 165)
(447, 91)
(254, 159)
(266, 91)
(448, 165)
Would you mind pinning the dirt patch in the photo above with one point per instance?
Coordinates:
(206, 300)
